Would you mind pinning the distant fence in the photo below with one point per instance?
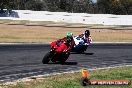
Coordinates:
(104, 19)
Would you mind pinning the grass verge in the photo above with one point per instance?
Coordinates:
(72, 80)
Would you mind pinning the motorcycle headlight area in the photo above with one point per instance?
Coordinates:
(53, 48)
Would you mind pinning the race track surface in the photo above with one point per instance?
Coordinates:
(19, 61)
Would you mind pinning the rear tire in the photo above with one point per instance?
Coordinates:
(53, 60)
(83, 49)
(63, 60)
(79, 49)
(46, 58)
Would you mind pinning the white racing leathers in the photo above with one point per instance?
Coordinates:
(82, 40)
(81, 43)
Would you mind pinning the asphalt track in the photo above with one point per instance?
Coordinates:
(19, 61)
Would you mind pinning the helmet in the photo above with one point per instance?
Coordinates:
(69, 36)
(87, 33)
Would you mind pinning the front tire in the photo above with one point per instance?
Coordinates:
(46, 58)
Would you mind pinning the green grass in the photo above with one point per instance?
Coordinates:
(5, 20)
(19, 22)
(49, 23)
(103, 27)
(72, 80)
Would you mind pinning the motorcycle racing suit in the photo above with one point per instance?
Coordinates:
(82, 39)
(68, 43)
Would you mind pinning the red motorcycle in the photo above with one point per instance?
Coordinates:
(59, 53)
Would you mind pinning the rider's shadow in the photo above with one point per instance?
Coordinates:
(66, 63)
(82, 53)
(70, 63)
(88, 53)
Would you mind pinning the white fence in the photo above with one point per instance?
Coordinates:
(105, 19)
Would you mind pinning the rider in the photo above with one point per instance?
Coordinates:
(68, 41)
(83, 38)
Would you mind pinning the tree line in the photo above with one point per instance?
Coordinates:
(121, 7)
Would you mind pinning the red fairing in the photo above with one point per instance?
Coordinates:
(53, 44)
(59, 48)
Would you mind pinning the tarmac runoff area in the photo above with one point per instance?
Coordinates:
(24, 61)
(84, 18)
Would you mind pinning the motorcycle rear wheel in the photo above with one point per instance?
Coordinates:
(63, 60)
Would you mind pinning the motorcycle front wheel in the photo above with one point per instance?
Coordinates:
(46, 58)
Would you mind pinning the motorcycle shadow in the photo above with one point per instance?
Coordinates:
(70, 63)
(66, 63)
(82, 53)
